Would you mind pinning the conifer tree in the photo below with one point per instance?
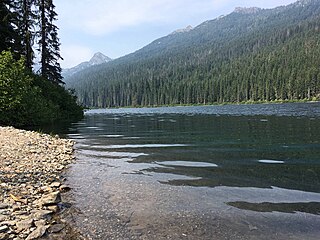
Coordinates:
(49, 45)
(26, 26)
(9, 38)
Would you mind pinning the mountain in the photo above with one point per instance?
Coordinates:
(250, 54)
(98, 58)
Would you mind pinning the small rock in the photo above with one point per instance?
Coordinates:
(24, 225)
(3, 206)
(40, 223)
(45, 189)
(54, 208)
(4, 211)
(60, 167)
(4, 236)
(50, 199)
(64, 188)
(56, 228)
(38, 233)
(55, 184)
(8, 223)
(16, 208)
(42, 214)
(20, 213)
(4, 229)
(11, 236)
(252, 228)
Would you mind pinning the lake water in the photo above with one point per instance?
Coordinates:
(213, 172)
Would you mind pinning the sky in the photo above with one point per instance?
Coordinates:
(119, 27)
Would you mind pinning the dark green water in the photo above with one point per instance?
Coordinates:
(222, 172)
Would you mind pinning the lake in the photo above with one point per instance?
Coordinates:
(211, 172)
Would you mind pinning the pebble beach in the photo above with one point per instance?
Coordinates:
(31, 183)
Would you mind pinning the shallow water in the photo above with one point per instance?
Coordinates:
(220, 172)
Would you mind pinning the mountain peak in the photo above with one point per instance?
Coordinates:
(304, 2)
(183, 30)
(99, 58)
(245, 10)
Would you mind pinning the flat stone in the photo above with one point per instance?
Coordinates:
(55, 184)
(24, 225)
(40, 223)
(20, 213)
(56, 228)
(4, 206)
(54, 208)
(50, 199)
(38, 233)
(42, 214)
(4, 228)
(8, 223)
(4, 211)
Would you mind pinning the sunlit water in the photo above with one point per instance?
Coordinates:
(220, 172)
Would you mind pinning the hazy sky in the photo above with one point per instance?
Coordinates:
(119, 27)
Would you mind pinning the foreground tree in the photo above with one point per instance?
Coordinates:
(49, 45)
(14, 82)
(27, 99)
(26, 26)
(9, 38)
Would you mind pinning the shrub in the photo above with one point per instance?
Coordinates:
(28, 100)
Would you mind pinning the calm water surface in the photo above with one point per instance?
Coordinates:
(220, 172)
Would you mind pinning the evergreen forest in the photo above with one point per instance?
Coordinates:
(27, 30)
(250, 55)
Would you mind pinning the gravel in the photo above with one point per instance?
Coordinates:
(31, 183)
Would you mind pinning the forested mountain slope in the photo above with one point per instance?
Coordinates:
(249, 55)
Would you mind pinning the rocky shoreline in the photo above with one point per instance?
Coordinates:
(31, 184)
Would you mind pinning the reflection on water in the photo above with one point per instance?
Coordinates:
(224, 172)
(311, 207)
(187, 164)
(126, 146)
(290, 176)
(271, 161)
(94, 153)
